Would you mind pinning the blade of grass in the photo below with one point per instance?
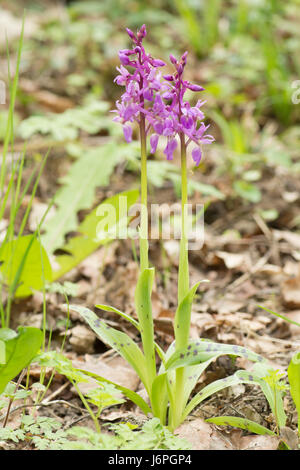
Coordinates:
(280, 316)
(13, 92)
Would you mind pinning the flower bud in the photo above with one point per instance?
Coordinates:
(170, 78)
(183, 57)
(157, 63)
(193, 87)
(142, 33)
(173, 59)
(131, 34)
(180, 69)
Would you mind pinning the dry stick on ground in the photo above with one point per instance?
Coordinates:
(270, 237)
(50, 403)
(57, 392)
(260, 263)
(284, 342)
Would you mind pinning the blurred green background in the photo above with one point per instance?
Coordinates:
(244, 52)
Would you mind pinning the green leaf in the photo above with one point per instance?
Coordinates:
(192, 375)
(144, 312)
(19, 350)
(91, 170)
(205, 189)
(192, 27)
(160, 171)
(7, 334)
(85, 243)
(240, 376)
(199, 354)
(2, 352)
(117, 340)
(247, 191)
(66, 125)
(278, 157)
(258, 376)
(183, 318)
(294, 379)
(104, 396)
(209, 390)
(269, 215)
(252, 175)
(202, 350)
(241, 423)
(134, 397)
(61, 364)
(159, 397)
(25, 263)
(108, 308)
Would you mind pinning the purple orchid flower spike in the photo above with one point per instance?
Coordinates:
(159, 104)
(141, 100)
(178, 117)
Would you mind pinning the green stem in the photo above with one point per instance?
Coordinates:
(183, 274)
(84, 401)
(183, 281)
(144, 309)
(144, 263)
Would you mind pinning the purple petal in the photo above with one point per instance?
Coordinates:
(158, 127)
(187, 121)
(169, 150)
(173, 59)
(126, 52)
(197, 154)
(153, 142)
(207, 139)
(142, 32)
(131, 34)
(127, 133)
(168, 95)
(184, 56)
(157, 63)
(193, 87)
(128, 112)
(148, 94)
(168, 128)
(124, 58)
(170, 78)
(158, 106)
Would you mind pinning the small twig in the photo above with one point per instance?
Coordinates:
(275, 340)
(269, 235)
(231, 407)
(50, 403)
(260, 263)
(12, 399)
(77, 420)
(57, 392)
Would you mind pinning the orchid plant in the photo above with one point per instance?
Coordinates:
(156, 103)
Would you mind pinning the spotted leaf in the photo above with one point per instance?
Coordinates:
(183, 318)
(117, 340)
(144, 313)
(241, 423)
(202, 350)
